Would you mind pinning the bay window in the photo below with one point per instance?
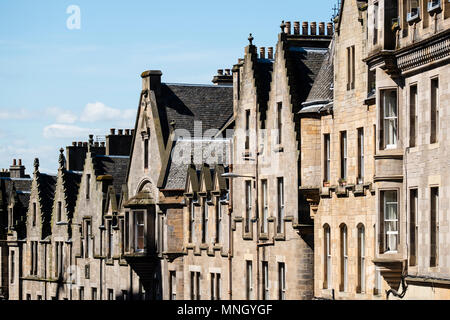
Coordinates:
(389, 235)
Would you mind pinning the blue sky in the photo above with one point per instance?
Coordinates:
(58, 85)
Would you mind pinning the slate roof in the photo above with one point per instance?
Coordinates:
(116, 166)
(211, 152)
(263, 79)
(322, 89)
(183, 103)
(21, 187)
(303, 67)
(71, 184)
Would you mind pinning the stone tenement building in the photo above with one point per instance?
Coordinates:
(317, 170)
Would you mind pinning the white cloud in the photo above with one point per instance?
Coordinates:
(67, 131)
(61, 116)
(100, 112)
(14, 114)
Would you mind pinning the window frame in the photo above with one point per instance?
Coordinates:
(264, 207)
(248, 205)
(281, 281)
(280, 205)
(384, 234)
(361, 150)
(137, 227)
(385, 144)
(434, 226)
(327, 157)
(434, 110)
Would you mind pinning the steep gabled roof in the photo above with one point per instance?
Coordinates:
(303, 65)
(211, 152)
(322, 89)
(17, 190)
(115, 166)
(184, 104)
(71, 183)
(46, 185)
(263, 78)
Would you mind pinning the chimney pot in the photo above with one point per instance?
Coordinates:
(80, 144)
(20, 162)
(296, 27)
(85, 144)
(228, 72)
(329, 29)
(127, 132)
(113, 132)
(321, 28)
(262, 52)
(132, 131)
(313, 28)
(270, 53)
(74, 143)
(305, 28)
(220, 72)
(14, 162)
(96, 144)
(287, 29)
(120, 131)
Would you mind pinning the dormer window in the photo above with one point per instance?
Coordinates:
(414, 11)
(434, 5)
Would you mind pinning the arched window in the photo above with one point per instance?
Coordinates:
(344, 258)
(361, 259)
(327, 257)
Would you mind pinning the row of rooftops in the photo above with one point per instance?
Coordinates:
(180, 106)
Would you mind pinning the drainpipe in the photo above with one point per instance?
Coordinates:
(230, 237)
(256, 205)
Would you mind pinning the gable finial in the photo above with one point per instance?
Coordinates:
(250, 39)
(36, 164)
(62, 159)
(282, 26)
(91, 142)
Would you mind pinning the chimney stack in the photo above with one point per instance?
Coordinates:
(313, 28)
(151, 80)
(296, 27)
(329, 29)
(120, 132)
(287, 29)
(127, 132)
(220, 78)
(270, 53)
(17, 171)
(305, 28)
(321, 28)
(262, 52)
(96, 144)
